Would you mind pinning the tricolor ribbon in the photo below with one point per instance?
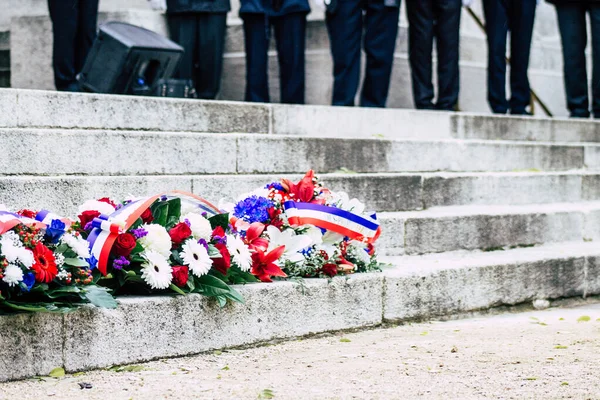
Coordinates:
(46, 217)
(9, 220)
(106, 228)
(340, 221)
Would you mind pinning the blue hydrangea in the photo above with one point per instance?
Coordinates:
(54, 231)
(253, 209)
(274, 185)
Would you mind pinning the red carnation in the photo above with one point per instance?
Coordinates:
(180, 275)
(329, 269)
(44, 267)
(179, 233)
(147, 216)
(107, 201)
(87, 217)
(124, 245)
(223, 263)
(27, 213)
(263, 265)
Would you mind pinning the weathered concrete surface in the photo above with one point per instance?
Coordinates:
(148, 328)
(533, 355)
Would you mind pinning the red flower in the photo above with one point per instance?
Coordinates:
(124, 245)
(107, 201)
(274, 214)
(253, 239)
(87, 217)
(223, 263)
(263, 265)
(147, 216)
(329, 269)
(304, 190)
(218, 232)
(180, 275)
(179, 233)
(44, 267)
(27, 213)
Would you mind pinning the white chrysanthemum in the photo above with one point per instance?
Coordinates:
(358, 250)
(293, 243)
(12, 237)
(79, 245)
(240, 253)
(157, 239)
(199, 225)
(25, 256)
(196, 257)
(95, 205)
(156, 271)
(13, 274)
(9, 250)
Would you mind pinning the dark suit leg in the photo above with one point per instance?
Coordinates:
(381, 29)
(257, 60)
(522, 16)
(86, 32)
(595, 22)
(420, 46)
(496, 21)
(447, 14)
(572, 25)
(184, 31)
(290, 36)
(345, 34)
(64, 16)
(211, 43)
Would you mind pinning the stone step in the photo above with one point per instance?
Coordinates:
(158, 114)
(380, 192)
(416, 288)
(91, 152)
(489, 227)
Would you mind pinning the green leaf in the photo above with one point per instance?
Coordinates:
(583, 318)
(57, 373)
(174, 211)
(222, 300)
(221, 220)
(176, 289)
(212, 286)
(76, 262)
(99, 297)
(266, 394)
(345, 340)
(160, 212)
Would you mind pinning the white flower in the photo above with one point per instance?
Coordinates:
(78, 244)
(315, 234)
(95, 205)
(157, 239)
(62, 274)
(342, 200)
(293, 243)
(12, 237)
(10, 251)
(240, 253)
(12, 275)
(358, 250)
(156, 270)
(199, 225)
(60, 259)
(330, 242)
(196, 257)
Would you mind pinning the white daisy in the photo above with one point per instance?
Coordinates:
(199, 225)
(196, 257)
(157, 239)
(13, 275)
(240, 253)
(156, 270)
(78, 244)
(95, 205)
(293, 243)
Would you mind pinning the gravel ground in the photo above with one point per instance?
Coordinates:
(548, 354)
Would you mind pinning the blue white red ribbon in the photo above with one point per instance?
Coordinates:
(344, 222)
(9, 220)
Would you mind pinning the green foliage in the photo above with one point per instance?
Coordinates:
(266, 394)
(583, 318)
(57, 373)
(345, 340)
(99, 297)
(221, 220)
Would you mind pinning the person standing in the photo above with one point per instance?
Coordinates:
(288, 20)
(516, 16)
(345, 25)
(74, 25)
(199, 26)
(573, 32)
(428, 19)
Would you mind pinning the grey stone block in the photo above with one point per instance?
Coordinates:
(147, 328)
(32, 344)
(452, 284)
(591, 187)
(592, 157)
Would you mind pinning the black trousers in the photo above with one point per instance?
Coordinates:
(516, 16)
(202, 35)
(74, 30)
(428, 19)
(345, 27)
(573, 32)
(290, 40)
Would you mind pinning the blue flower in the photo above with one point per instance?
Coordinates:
(253, 209)
(54, 231)
(28, 282)
(274, 185)
(92, 261)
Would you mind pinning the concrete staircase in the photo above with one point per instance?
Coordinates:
(31, 55)
(478, 212)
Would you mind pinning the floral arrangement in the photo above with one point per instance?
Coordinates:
(180, 243)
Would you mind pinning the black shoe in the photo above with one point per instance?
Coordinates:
(521, 112)
(580, 114)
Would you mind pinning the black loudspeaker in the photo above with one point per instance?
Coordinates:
(127, 59)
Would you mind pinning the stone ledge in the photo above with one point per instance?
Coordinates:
(145, 328)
